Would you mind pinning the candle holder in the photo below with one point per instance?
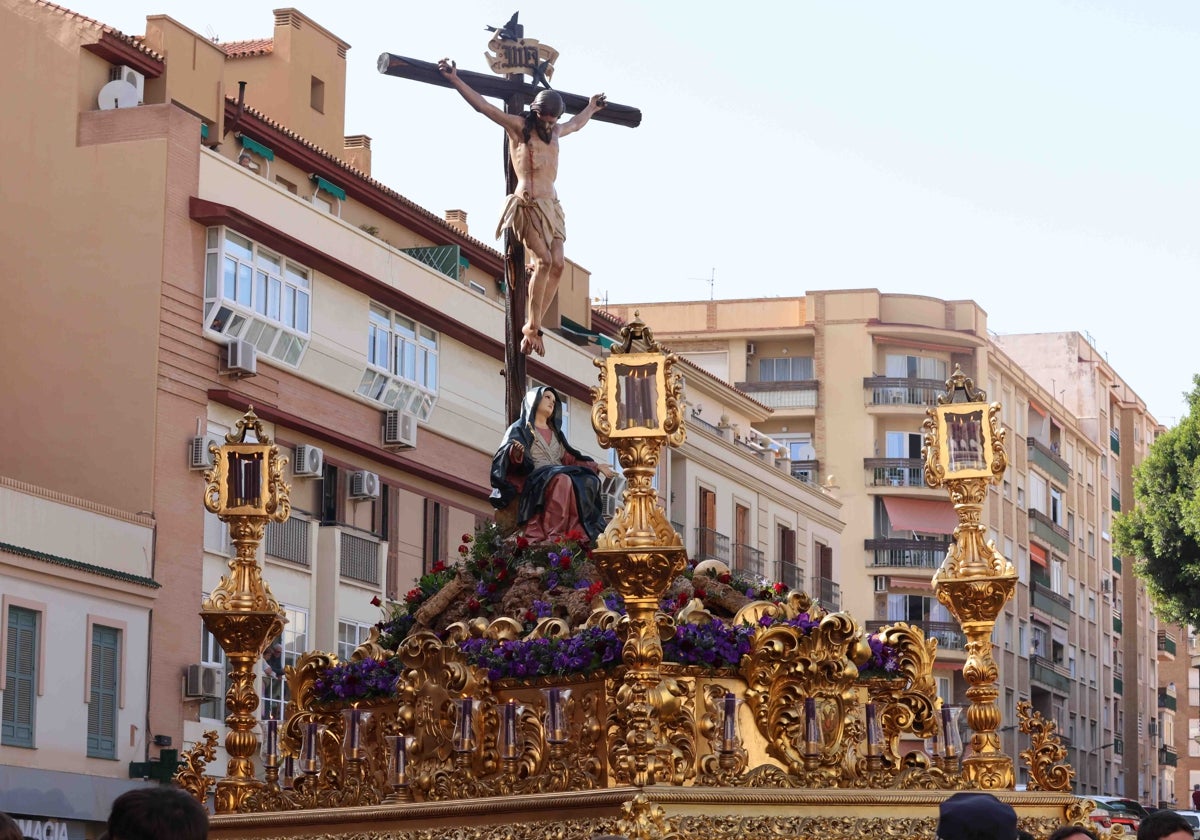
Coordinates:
(933, 744)
(463, 738)
(398, 747)
(310, 750)
(874, 738)
(353, 722)
(509, 735)
(952, 744)
(813, 739)
(557, 714)
(270, 753)
(288, 776)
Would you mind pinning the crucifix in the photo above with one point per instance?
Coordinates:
(532, 214)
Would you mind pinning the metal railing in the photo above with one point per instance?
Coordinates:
(1166, 642)
(912, 554)
(1050, 602)
(791, 575)
(359, 558)
(894, 390)
(895, 472)
(1167, 700)
(1049, 460)
(748, 559)
(1050, 674)
(1042, 526)
(800, 393)
(288, 540)
(807, 471)
(827, 592)
(711, 545)
(949, 634)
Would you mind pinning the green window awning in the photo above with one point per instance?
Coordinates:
(203, 131)
(581, 332)
(329, 187)
(256, 147)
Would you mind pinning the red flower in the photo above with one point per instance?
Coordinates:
(375, 602)
(491, 587)
(564, 561)
(462, 549)
(724, 578)
(439, 566)
(780, 588)
(473, 605)
(467, 538)
(576, 534)
(530, 615)
(701, 594)
(413, 596)
(502, 575)
(522, 543)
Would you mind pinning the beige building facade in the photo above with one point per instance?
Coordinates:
(849, 375)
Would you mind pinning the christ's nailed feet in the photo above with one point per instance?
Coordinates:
(531, 341)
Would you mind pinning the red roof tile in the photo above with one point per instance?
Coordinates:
(131, 40)
(246, 49)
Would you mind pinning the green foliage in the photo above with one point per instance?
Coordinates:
(1164, 526)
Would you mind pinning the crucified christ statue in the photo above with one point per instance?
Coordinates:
(532, 212)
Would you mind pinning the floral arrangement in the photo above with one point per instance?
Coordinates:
(588, 651)
(713, 644)
(884, 661)
(362, 679)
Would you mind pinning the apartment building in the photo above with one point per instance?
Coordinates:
(849, 375)
(187, 247)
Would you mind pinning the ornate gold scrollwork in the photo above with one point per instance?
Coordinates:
(190, 775)
(1046, 755)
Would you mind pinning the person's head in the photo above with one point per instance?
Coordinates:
(1072, 832)
(976, 816)
(547, 403)
(547, 107)
(8, 828)
(152, 813)
(1164, 825)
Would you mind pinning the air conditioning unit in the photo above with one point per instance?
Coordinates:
(881, 583)
(128, 74)
(750, 348)
(203, 681)
(364, 485)
(241, 358)
(199, 458)
(399, 429)
(310, 461)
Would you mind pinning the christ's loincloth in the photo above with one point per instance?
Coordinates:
(540, 219)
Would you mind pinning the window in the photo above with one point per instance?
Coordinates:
(212, 655)
(437, 523)
(1021, 498)
(284, 652)
(285, 184)
(102, 696)
(916, 367)
(351, 634)
(785, 369)
(789, 573)
(316, 95)
(402, 363)
(916, 608)
(256, 295)
(1056, 505)
(20, 679)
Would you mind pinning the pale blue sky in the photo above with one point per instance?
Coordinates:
(1039, 157)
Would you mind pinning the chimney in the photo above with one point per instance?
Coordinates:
(457, 219)
(358, 153)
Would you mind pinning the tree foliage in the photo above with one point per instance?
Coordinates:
(1163, 529)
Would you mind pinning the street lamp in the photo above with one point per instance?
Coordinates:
(1100, 762)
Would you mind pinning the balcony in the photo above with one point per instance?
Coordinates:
(1167, 700)
(749, 559)
(948, 633)
(893, 390)
(288, 540)
(1168, 756)
(827, 592)
(895, 472)
(1049, 532)
(1114, 440)
(1116, 500)
(1050, 602)
(1048, 459)
(908, 554)
(1166, 644)
(359, 559)
(712, 546)
(801, 393)
(807, 471)
(1050, 675)
(1118, 685)
(790, 575)
(1118, 625)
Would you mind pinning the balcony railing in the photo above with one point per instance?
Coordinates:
(1118, 625)
(288, 540)
(800, 393)
(1167, 700)
(712, 546)
(1114, 441)
(913, 554)
(1168, 756)
(1046, 529)
(1051, 675)
(1049, 460)
(827, 592)
(948, 633)
(1118, 685)
(893, 390)
(1050, 602)
(791, 575)
(748, 559)
(895, 472)
(360, 558)
(1166, 642)
(808, 471)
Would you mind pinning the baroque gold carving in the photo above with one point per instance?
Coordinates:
(1046, 755)
(190, 775)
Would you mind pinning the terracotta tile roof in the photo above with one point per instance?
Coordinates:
(246, 49)
(105, 29)
(362, 176)
(79, 566)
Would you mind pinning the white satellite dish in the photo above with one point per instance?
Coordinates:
(118, 94)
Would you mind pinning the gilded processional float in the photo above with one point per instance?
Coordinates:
(560, 690)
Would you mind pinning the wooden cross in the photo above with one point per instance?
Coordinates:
(516, 94)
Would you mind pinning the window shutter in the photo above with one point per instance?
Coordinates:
(16, 728)
(102, 706)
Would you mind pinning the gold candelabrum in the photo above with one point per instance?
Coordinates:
(244, 488)
(964, 452)
(636, 409)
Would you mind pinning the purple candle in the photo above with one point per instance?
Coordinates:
(730, 728)
(272, 745)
